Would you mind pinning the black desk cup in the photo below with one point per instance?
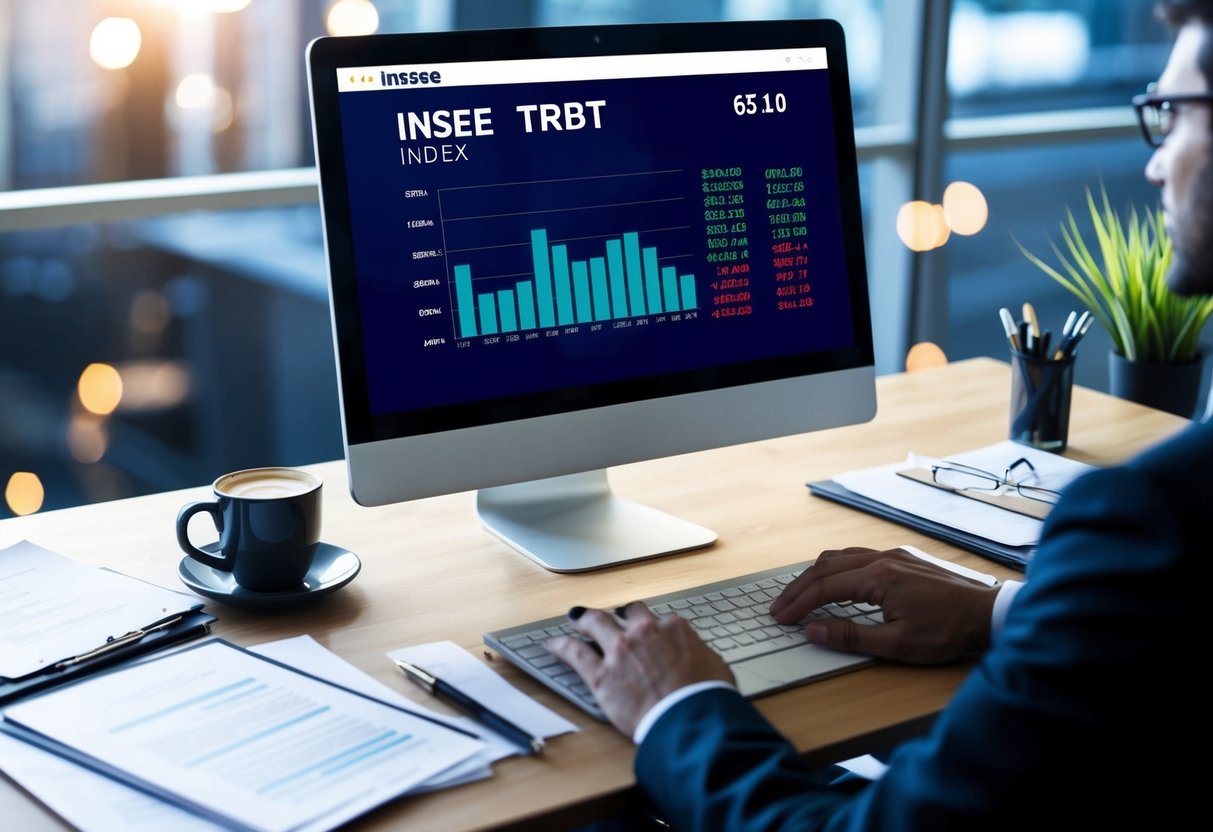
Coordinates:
(268, 521)
(1040, 400)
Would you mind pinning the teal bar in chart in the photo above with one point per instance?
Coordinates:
(526, 305)
(505, 303)
(543, 276)
(688, 292)
(619, 296)
(624, 280)
(598, 288)
(652, 279)
(488, 315)
(467, 305)
(560, 279)
(581, 292)
(669, 288)
(631, 254)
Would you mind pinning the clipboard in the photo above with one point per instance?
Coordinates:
(158, 635)
(1009, 501)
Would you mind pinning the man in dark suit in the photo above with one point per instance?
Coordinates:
(1084, 687)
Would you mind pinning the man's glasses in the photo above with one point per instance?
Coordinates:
(1156, 113)
(960, 477)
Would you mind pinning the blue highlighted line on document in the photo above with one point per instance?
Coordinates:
(260, 735)
(331, 764)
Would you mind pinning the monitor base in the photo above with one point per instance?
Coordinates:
(575, 523)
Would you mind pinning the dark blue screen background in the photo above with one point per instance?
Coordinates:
(675, 126)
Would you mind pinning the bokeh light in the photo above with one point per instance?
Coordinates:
(922, 226)
(115, 42)
(925, 355)
(24, 493)
(154, 384)
(100, 389)
(965, 208)
(196, 92)
(225, 6)
(150, 312)
(352, 17)
(87, 438)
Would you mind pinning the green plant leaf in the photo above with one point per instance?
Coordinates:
(1120, 277)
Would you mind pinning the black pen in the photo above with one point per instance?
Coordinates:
(481, 713)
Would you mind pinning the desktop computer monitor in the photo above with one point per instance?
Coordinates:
(556, 250)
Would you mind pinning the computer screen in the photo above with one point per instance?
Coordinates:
(556, 250)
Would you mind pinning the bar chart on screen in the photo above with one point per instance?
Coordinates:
(527, 256)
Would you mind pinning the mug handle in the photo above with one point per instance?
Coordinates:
(183, 538)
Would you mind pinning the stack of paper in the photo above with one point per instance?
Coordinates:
(1003, 535)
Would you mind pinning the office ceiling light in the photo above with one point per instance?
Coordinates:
(965, 207)
(115, 42)
(100, 389)
(24, 493)
(922, 226)
(352, 17)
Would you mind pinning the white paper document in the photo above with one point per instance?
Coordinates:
(246, 740)
(95, 803)
(958, 512)
(303, 653)
(53, 608)
(89, 801)
(451, 663)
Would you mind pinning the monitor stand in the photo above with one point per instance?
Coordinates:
(575, 523)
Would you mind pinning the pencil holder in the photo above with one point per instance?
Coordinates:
(1040, 401)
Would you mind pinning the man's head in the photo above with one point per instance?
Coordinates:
(1183, 165)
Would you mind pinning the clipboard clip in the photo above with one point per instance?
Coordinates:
(116, 642)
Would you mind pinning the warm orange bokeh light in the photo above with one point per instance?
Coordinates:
(100, 389)
(352, 17)
(965, 208)
(923, 356)
(24, 493)
(115, 42)
(921, 225)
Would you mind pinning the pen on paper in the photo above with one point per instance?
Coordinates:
(481, 713)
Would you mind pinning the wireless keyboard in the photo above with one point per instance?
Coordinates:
(732, 616)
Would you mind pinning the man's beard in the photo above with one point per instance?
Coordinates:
(1192, 239)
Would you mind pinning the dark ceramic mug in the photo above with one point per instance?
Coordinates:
(268, 521)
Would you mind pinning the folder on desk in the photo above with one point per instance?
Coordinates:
(1016, 557)
(61, 620)
(1002, 527)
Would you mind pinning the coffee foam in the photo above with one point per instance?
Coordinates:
(266, 484)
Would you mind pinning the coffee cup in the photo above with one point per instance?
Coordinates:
(268, 521)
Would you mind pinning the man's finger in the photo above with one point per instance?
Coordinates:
(634, 611)
(576, 653)
(599, 625)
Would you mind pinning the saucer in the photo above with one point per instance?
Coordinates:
(332, 569)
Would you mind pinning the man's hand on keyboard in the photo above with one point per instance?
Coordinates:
(931, 615)
(639, 663)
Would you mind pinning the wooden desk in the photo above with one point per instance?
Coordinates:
(430, 573)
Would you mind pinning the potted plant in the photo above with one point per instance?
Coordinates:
(1157, 357)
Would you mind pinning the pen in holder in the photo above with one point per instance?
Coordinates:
(1040, 400)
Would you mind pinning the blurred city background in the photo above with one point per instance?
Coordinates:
(143, 349)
